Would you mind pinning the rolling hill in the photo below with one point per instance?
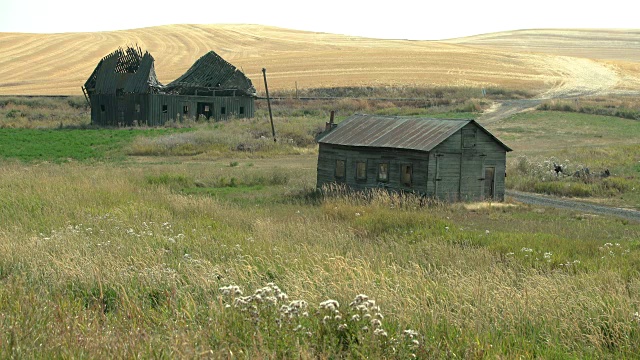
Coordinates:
(552, 62)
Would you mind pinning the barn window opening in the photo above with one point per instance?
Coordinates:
(383, 172)
(185, 109)
(468, 138)
(361, 170)
(223, 110)
(241, 110)
(340, 167)
(406, 174)
(206, 108)
(137, 108)
(165, 109)
(102, 108)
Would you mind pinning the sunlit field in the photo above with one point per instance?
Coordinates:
(59, 64)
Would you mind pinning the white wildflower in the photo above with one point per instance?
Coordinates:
(330, 305)
(410, 333)
(379, 332)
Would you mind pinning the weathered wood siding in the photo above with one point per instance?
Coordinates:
(157, 109)
(450, 172)
(328, 154)
(458, 171)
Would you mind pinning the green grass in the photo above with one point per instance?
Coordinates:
(576, 141)
(61, 145)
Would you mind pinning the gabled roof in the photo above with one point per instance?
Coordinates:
(212, 72)
(400, 132)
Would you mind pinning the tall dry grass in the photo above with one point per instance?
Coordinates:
(101, 262)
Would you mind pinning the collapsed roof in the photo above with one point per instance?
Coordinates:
(130, 71)
(124, 70)
(211, 72)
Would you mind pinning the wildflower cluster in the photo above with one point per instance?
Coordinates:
(269, 294)
(359, 323)
(368, 312)
(610, 250)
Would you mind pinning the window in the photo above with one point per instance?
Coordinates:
(383, 172)
(137, 108)
(468, 138)
(102, 108)
(206, 108)
(361, 170)
(340, 167)
(164, 109)
(223, 110)
(406, 174)
(241, 110)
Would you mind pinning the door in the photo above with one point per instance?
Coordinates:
(489, 182)
(448, 177)
(121, 107)
(204, 109)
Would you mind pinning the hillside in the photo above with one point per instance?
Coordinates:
(58, 64)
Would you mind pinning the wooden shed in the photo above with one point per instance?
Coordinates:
(123, 90)
(448, 159)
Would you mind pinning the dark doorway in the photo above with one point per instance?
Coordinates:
(489, 182)
(121, 106)
(205, 109)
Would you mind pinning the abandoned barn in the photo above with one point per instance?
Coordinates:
(123, 90)
(447, 159)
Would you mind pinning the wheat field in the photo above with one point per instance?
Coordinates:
(58, 64)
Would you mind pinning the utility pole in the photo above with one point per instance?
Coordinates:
(266, 88)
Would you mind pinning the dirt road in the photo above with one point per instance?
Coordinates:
(577, 77)
(542, 200)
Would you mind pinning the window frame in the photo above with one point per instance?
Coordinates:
(404, 166)
(343, 167)
(469, 134)
(386, 177)
(358, 176)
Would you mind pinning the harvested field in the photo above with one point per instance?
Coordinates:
(58, 64)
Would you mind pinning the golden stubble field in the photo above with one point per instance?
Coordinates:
(58, 64)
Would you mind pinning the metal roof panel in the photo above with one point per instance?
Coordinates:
(402, 132)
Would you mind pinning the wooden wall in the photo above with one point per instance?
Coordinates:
(328, 155)
(449, 172)
(157, 109)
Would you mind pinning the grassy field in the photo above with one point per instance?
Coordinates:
(585, 145)
(179, 243)
(103, 261)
